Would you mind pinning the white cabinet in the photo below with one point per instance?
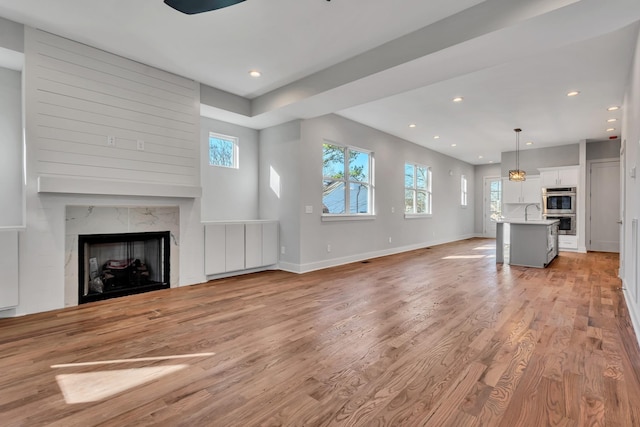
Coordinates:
(566, 176)
(527, 191)
(269, 243)
(234, 247)
(9, 290)
(568, 242)
(239, 246)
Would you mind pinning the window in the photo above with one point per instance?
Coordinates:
(347, 181)
(463, 190)
(223, 150)
(417, 189)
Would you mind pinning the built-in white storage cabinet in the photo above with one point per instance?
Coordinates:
(9, 290)
(527, 191)
(236, 246)
(566, 176)
(567, 242)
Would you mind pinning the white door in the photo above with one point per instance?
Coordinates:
(605, 207)
(492, 204)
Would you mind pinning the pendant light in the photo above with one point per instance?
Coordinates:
(517, 174)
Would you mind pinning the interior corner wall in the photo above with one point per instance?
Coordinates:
(630, 256)
(11, 163)
(228, 193)
(356, 240)
(482, 171)
(280, 169)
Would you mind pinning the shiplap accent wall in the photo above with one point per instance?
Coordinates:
(79, 96)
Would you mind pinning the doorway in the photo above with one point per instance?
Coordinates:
(492, 206)
(604, 206)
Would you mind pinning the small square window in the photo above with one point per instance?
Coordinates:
(223, 150)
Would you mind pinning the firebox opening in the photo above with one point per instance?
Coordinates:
(114, 265)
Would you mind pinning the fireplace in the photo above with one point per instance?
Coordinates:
(114, 265)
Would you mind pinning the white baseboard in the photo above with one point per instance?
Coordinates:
(334, 262)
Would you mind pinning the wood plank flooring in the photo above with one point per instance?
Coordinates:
(440, 336)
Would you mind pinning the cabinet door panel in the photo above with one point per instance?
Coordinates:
(234, 250)
(253, 242)
(270, 243)
(568, 177)
(511, 191)
(549, 178)
(9, 289)
(531, 190)
(214, 249)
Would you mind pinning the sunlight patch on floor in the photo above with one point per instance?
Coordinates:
(86, 387)
(465, 257)
(95, 386)
(485, 248)
(141, 359)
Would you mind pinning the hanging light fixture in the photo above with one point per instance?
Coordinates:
(517, 174)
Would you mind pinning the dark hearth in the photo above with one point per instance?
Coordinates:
(114, 265)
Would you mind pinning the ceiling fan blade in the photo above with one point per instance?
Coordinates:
(191, 7)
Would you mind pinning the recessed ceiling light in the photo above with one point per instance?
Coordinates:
(436, 137)
(612, 120)
(573, 93)
(255, 73)
(490, 161)
(412, 125)
(458, 99)
(614, 108)
(529, 143)
(480, 157)
(453, 145)
(611, 129)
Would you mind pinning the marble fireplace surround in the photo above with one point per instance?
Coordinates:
(116, 219)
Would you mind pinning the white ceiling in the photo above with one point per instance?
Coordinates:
(385, 64)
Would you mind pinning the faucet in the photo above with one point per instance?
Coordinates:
(525, 209)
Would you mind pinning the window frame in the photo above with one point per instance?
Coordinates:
(428, 190)
(346, 181)
(464, 191)
(235, 150)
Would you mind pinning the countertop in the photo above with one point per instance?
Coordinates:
(529, 222)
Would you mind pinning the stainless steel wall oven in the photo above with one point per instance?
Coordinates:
(559, 200)
(567, 223)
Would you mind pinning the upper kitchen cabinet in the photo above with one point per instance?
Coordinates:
(566, 176)
(527, 191)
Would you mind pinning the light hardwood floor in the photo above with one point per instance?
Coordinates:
(435, 337)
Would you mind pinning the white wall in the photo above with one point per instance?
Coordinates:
(78, 96)
(11, 148)
(227, 193)
(280, 187)
(548, 157)
(354, 240)
(631, 140)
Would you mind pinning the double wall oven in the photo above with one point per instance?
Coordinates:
(560, 203)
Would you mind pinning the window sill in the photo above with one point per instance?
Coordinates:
(341, 217)
(416, 216)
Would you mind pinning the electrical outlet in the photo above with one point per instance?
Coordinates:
(328, 248)
(111, 141)
(393, 209)
(389, 239)
(283, 250)
(140, 145)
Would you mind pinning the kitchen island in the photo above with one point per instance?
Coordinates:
(527, 243)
